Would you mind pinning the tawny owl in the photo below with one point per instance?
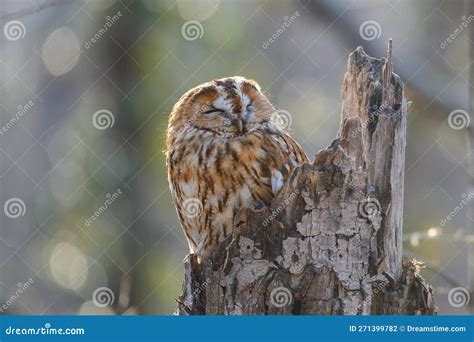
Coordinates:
(225, 151)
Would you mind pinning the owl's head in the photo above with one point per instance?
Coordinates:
(229, 107)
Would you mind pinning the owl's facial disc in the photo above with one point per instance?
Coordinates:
(217, 120)
(235, 108)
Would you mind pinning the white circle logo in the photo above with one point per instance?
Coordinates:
(370, 30)
(280, 297)
(14, 30)
(192, 207)
(103, 296)
(369, 208)
(192, 30)
(103, 119)
(14, 207)
(281, 119)
(458, 297)
(458, 119)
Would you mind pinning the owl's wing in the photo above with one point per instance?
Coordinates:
(295, 156)
(275, 155)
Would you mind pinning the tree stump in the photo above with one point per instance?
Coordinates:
(331, 241)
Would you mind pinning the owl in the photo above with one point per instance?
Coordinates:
(226, 149)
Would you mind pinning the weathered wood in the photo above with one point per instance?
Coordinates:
(331, 241)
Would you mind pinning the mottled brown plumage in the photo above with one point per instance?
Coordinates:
(226, 149)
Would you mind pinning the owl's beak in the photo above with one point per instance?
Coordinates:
(239, 124)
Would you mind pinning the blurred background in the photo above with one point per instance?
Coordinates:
(88, 226)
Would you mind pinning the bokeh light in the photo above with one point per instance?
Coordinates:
(61, 51)
(68, 265)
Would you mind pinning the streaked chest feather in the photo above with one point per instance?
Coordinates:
(219, 168)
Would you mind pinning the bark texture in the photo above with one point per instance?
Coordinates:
(331, 241)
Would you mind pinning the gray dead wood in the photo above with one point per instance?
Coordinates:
(331, 242)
